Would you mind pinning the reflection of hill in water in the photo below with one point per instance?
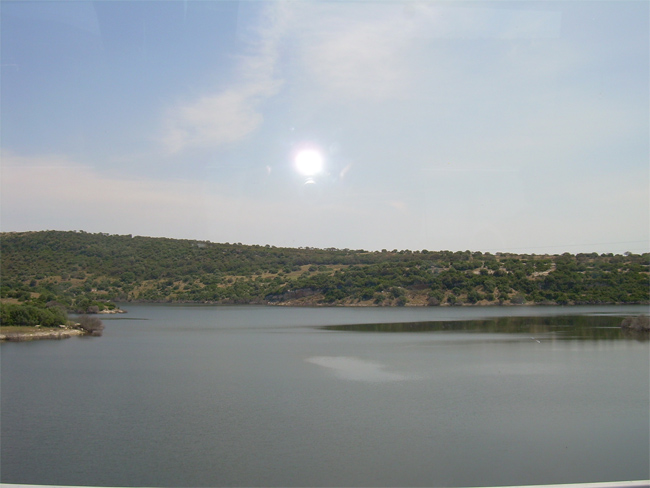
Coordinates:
(592, 327)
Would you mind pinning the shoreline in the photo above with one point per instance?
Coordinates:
(8, 335)
(369, 304)
(109, 312)
(633, 323)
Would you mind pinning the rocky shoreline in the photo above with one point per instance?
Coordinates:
(87, 326)
(33, 335)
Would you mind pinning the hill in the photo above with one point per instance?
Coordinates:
(87, 272)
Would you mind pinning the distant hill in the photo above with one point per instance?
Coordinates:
(87, 272)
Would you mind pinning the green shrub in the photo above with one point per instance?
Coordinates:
(14, 314)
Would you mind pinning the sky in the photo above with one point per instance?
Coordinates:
(484, 126)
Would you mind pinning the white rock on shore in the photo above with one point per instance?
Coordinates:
(41, 334)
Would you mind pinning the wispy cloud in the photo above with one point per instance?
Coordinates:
(358, 53)
(493, 23)
(341, 52)
(231, 114)
(213, 120)
(352, 54)
(446, 142)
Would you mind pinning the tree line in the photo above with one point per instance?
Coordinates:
(85, 273)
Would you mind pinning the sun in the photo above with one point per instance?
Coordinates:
(309, 162)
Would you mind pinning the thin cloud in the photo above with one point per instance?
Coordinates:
(230, 115)
(214, 120)
(47, 193)
(355, 52)
(347, 52)
(58, 193)
(494, 23)
(55, 193)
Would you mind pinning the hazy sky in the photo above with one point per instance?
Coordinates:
(491, 126)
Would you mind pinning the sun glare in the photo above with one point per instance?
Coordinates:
(309, 162)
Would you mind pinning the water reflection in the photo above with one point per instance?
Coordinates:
(583, 327)
(355, 369)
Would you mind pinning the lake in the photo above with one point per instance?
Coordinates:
(187, 395)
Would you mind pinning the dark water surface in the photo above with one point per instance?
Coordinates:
(272, 396)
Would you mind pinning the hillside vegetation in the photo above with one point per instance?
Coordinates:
(85, 272)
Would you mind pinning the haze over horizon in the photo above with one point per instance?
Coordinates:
(504, 126)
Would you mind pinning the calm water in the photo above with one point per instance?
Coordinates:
(271, 396)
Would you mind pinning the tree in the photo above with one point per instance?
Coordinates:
(91, 325)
